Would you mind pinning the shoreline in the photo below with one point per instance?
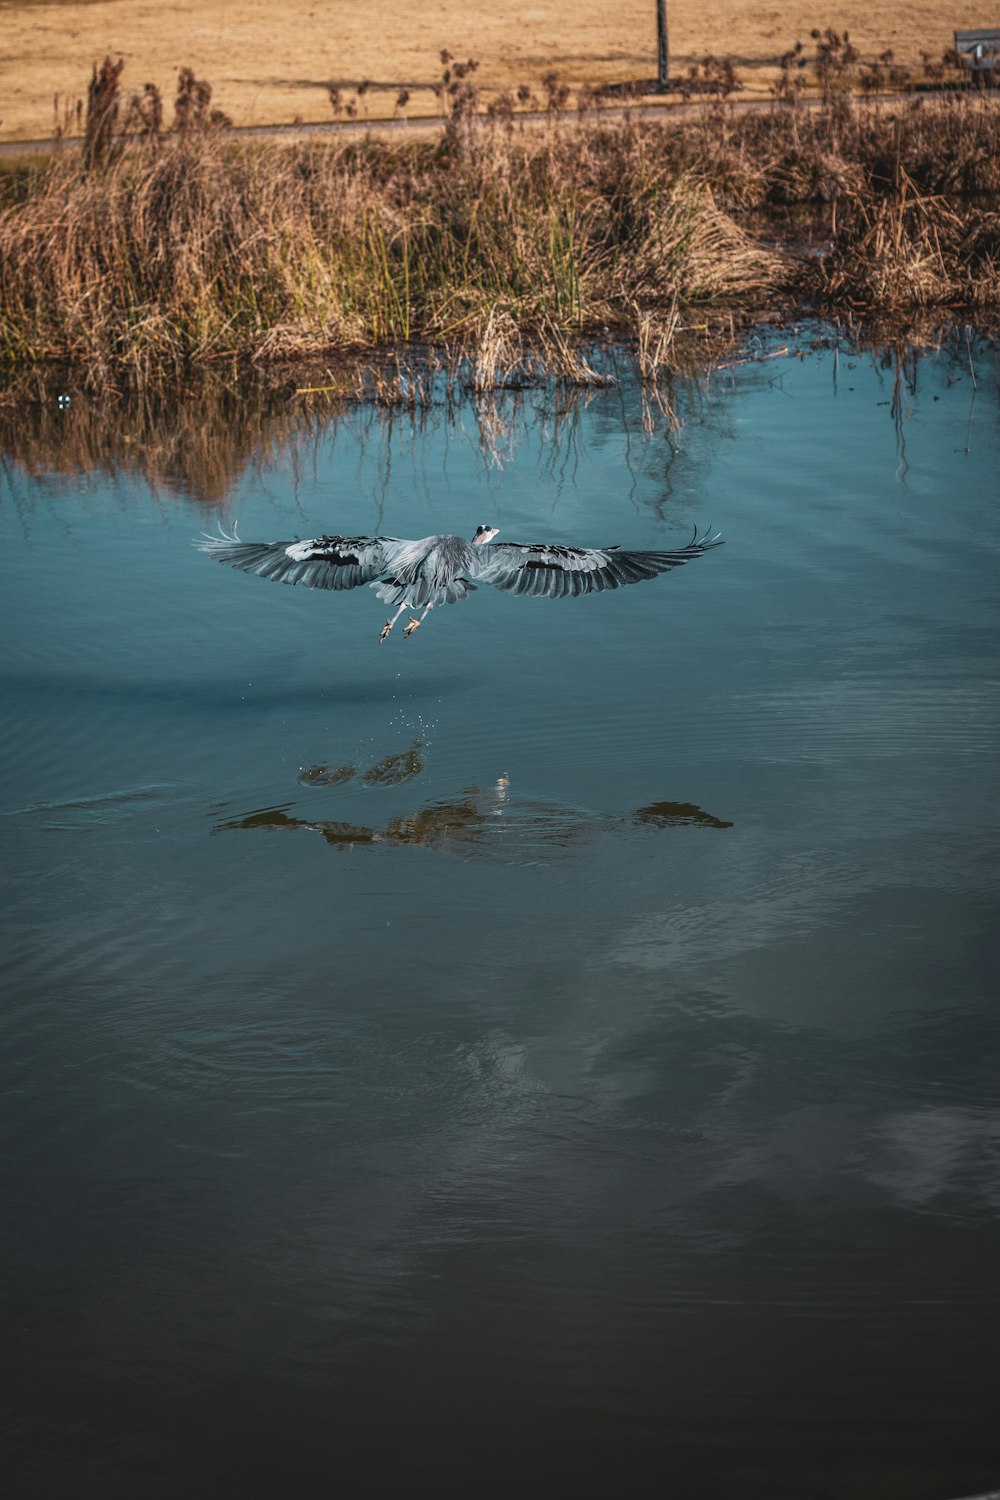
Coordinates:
(148, 259)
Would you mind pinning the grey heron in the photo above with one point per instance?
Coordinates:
(419, 575)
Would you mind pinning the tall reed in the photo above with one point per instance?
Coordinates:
(155, 254)
(204, 249)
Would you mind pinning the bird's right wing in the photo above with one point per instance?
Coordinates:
(560, 572)
(325, 562)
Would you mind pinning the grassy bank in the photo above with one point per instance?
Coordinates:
(193, 250)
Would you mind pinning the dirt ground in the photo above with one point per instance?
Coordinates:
(266, 70)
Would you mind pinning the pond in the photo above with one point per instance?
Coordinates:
(557, 1051)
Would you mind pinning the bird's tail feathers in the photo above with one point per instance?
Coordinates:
(417, 592)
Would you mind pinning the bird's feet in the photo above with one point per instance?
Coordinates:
(385, 631)
(411, 627)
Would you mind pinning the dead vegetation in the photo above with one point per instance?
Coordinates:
(912, 250)
(154, 252)
(146, 261)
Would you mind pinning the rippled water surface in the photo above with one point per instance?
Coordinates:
(556, 1053)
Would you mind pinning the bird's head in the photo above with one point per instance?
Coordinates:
(484, 534)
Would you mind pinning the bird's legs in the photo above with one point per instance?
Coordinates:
(390, 623)
(415, 624)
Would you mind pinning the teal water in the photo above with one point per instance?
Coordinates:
(556, 1052)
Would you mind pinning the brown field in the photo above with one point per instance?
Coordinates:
(275, 71)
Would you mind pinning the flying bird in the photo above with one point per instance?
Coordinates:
(419, 575)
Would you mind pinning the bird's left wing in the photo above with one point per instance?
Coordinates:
(558, 572)
(325, 562)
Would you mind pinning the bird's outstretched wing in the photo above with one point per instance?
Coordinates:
(325, 562)
(558, 572)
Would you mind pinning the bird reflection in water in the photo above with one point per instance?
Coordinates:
(391, 770)
(677, 815)
(481, 820)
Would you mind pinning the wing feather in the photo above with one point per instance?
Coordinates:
(554, 572)
(326, 562)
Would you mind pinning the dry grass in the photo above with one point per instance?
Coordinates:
(204, 251)
(912, 251)
(149, 254)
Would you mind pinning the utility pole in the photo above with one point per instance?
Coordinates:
(662, 47)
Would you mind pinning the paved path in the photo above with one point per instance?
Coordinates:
(426, 126)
